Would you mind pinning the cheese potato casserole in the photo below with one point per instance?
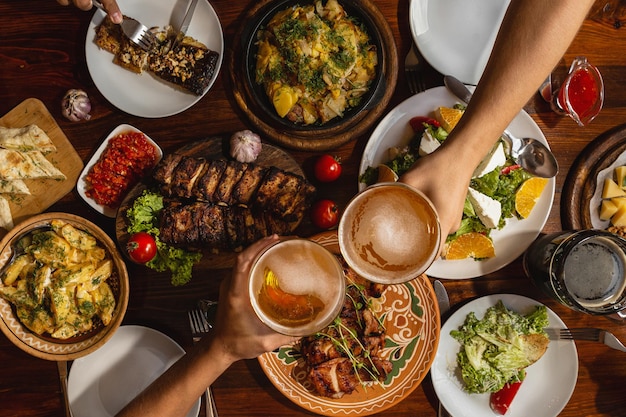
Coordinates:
(314, 62)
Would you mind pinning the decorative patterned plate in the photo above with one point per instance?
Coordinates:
(43, 346)
(412, 322)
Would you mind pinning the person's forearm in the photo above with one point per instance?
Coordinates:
(524, 54)
(175, 392)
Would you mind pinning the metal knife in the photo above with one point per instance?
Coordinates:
(184, 24)
(442, 298)
(444, 307)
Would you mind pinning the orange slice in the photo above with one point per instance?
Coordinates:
(386, 174)
(527, 195)
(473, 244)
(448, 117)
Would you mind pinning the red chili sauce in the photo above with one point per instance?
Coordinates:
(125, 161)
(583, 93)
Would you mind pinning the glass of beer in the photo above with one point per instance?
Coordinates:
(583, 270)
(389, 233)
(297, 287)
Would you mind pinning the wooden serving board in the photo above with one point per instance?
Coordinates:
(580, 184)
(44, 192)
(210, 148)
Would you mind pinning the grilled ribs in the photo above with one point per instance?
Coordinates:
(330, 371)
(234, 183)
(220, 204)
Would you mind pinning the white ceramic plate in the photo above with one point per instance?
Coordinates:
(549, 382)
(510, 241)
(103, 382)
(81, 185)
(459, 34)
(143, 94)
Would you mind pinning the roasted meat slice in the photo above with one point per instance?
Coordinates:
(211, 226)
(231, 176)
(185, 176)
(208, 183)
(164, 171)
(179, 225)
(247, 186)
(334, 378)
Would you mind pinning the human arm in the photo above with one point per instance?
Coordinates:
(111, 7)
(237, 334)
(533, 37)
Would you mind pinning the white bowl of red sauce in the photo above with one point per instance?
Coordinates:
(124, 158)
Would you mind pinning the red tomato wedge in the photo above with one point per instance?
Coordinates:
(417, 123)
(500, 401)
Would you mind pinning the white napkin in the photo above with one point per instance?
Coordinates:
(418, 16)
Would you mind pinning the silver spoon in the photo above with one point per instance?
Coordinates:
(530, 153)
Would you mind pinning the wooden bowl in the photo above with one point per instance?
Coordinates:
(257, 107)
(44, 346)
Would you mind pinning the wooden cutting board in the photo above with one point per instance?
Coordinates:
(44, 192)
(580, 184)
(210, 148)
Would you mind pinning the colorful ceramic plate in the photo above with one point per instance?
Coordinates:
(412, 323)
(144, 95)
(510, 241)
(549, 382)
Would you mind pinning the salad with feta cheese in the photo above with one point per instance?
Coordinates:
(491, 197)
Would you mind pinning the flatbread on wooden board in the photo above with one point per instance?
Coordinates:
(13, 187)
(16, 165)
(6, 219)
(27, 138)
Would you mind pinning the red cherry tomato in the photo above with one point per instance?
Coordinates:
(417, 123)
(325, 214)
(327, 168)
(141, 247)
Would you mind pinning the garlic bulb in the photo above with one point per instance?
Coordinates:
(245, 146)
(76, 105)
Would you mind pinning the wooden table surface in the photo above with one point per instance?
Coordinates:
(42, 56)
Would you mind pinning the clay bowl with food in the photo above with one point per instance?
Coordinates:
(67, 306)
(302, 128)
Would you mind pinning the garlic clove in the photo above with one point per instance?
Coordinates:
(245, 146)
(76, 106)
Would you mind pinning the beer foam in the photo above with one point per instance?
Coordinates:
(595, 273)
(389, 233)
(302, 268)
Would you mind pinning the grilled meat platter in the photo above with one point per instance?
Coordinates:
(220, 205)
(346, 355)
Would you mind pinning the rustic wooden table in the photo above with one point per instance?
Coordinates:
(42, 55)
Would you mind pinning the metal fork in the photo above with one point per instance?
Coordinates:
(200, 327)
(412, 71)
(591, 334)
(138, 33)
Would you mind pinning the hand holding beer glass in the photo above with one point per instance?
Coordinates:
(389, 233)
